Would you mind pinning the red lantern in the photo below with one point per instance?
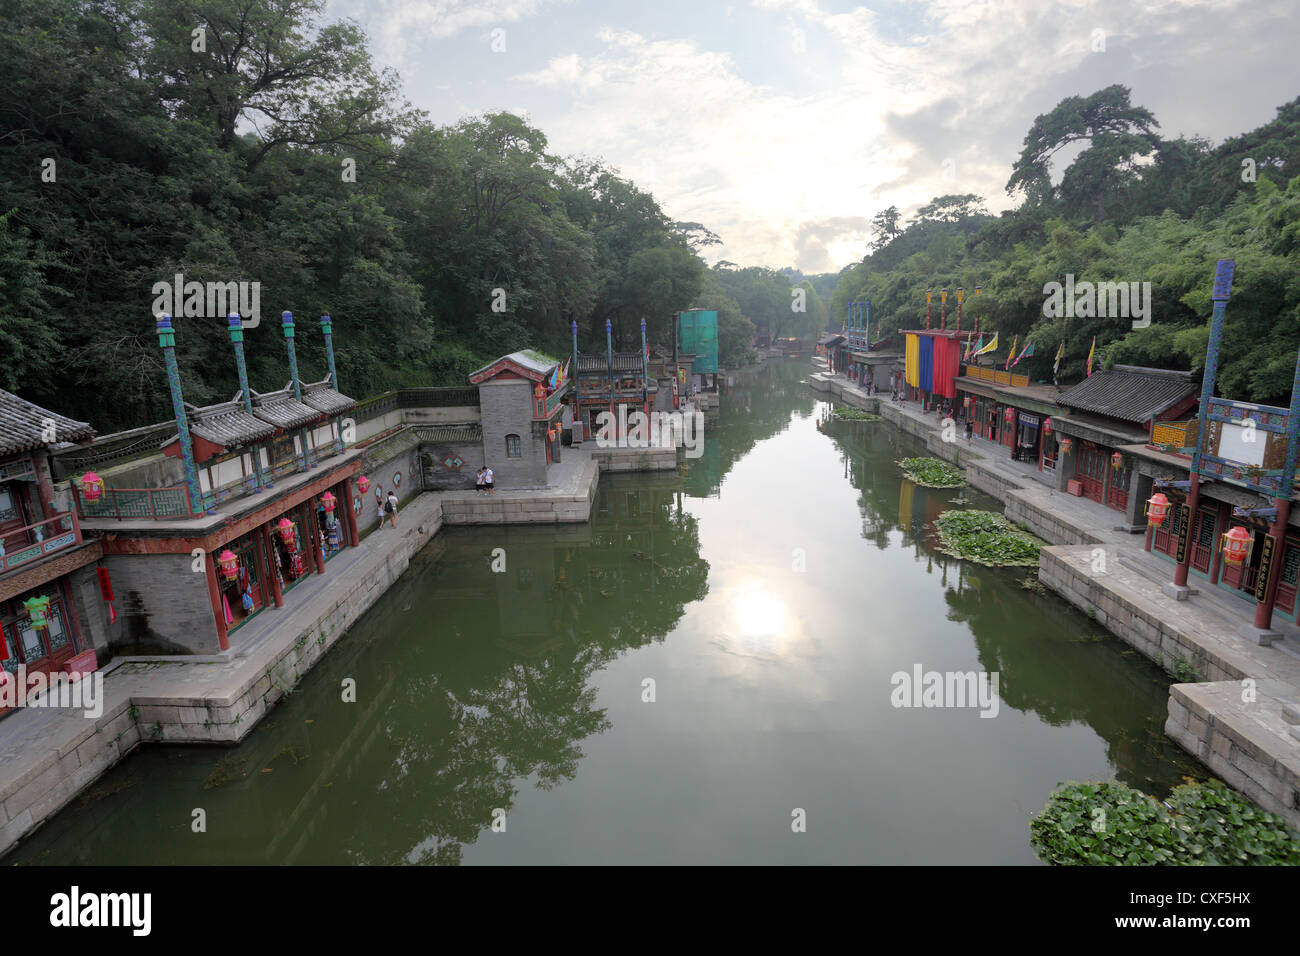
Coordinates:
(1066, 445)
(328, 501)
(363, 483)
(229, 564)
(92, 486)
(1047, 426)
(285, 528)
(1235, 544)
(1116, 460)
(1009, 415)
(1157, 508)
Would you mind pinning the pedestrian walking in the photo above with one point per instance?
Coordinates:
(489, 482)
(970, 430)
(478, 482)
(379, 510)
(390, 507)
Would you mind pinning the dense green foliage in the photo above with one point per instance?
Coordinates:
(280, 154)
(1131, 207)
(1099, 824)
(986, 538)
(933, 472)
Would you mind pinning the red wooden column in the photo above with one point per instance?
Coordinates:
(312, 533)
(267, 547)
(1193, 501)
(350, 504)
(214, 592)
(74, 618)
(1264, 609)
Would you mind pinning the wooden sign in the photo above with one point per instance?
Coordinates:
(1265, 565)
(1184, 531)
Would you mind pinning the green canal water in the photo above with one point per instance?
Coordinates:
(769, 592)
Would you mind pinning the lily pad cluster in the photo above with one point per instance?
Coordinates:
(986, 538)
(850, 414)
(933, 472)
(1110, 824)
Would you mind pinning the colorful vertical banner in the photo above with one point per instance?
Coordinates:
(1090, 354)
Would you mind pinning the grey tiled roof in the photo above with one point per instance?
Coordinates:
(830, 338)
(282, 410)
(1128, 394)
(24, 426)
(529, 359)
(449, 434)
(320, 396)
(623, 362)
(228, 425)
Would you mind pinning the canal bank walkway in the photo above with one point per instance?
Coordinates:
(1242, 719)
(48, 755)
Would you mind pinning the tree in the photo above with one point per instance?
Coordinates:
(885, 225)
(951, 208)
(1117, 133)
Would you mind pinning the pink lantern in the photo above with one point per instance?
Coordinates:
(284, 527)
(329, 502)
(92, 486)
(1047, 426)
(363, 483)
(229, 564)
(1235, 544)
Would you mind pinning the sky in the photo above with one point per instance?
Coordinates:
(785, 125)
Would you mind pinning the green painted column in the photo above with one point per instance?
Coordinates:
(167, 340)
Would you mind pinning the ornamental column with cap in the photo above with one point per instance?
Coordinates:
(327, 326)
(286, 318)
(645, 372)
(609, 356)
(1222, 290)
(236, 323)
(167, 340)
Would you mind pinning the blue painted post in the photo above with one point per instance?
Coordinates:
(645, 371)
(866, 323)
(1222, 290)
(286, 319)
(167, 340)
(577, 404)
(609, 357)
(236, 324)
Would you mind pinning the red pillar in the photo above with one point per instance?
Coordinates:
(277, 593)
(223, 639)
(350, 504)
(1193, 500)
(1264, 610)
(313, 538)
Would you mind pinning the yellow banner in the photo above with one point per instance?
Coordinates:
(912, 360)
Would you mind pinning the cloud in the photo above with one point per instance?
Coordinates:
(399, 24)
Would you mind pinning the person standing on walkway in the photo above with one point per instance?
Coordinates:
(970, 430)
(390, 506)
(379, 511)
(489, 482)
(478, 482)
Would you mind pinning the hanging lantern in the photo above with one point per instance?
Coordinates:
(965, 402)
(1157, 508)
(328, 501)
(38, 609)
(92, 486)
(285, 529)
(1116, 461)
(363, 483)
(1066, 445)
(1009, 415)
(1235, 544)
(1047, 426)
(229, 564)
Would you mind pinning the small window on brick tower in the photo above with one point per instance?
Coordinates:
(512, 447)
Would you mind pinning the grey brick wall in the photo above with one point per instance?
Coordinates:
(162, 602)
(507, 409)
(438, 477)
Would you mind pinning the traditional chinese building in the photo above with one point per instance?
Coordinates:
(268, 496)
(521, 397)
(52, 612)
(616, 383)
(1106, 412)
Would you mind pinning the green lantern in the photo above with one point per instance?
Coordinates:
(38, 609)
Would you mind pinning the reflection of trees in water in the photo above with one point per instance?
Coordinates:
(1052, 660)
(759, 407)
(517, 704)
(471, 685)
